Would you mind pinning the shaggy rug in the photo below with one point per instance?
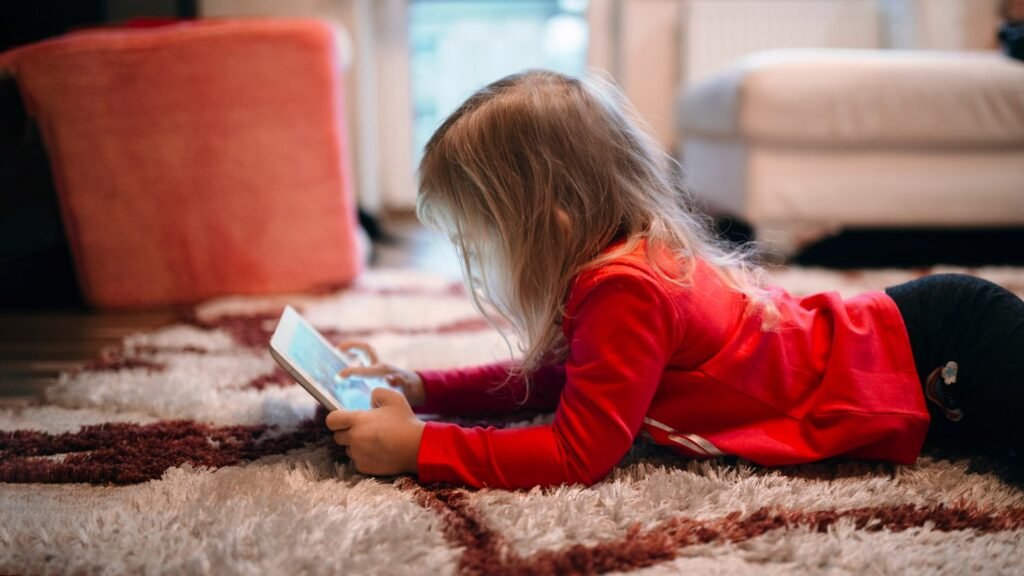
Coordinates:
(186, 450)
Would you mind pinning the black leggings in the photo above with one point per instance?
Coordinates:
(969, 332)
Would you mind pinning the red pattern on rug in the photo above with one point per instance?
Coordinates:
(120, 453)
(487, 552)
(112, 360)
(125, 453)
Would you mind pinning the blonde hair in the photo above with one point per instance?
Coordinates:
(534, 176)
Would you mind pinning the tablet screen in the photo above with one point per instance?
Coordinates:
(309, 352)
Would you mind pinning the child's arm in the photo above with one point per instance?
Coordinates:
(620, 342)
(386, 439)
(487, 390)
(477, 391)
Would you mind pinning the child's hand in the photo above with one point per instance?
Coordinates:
(407, 381)
(359, 349)
(382, 441)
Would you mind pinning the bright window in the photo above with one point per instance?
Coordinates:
(459, 46)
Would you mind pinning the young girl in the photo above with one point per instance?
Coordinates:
(634, 321)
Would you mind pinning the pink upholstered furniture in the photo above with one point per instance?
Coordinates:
(196, 159)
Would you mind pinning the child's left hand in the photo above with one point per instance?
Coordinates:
(382, 441)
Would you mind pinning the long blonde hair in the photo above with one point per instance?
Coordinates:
(534, 176)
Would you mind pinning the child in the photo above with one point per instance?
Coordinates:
(634, 321)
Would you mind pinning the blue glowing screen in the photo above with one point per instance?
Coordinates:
(322, 363)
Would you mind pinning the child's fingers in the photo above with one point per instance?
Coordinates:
(341, 419)
(380, 397)
(358, 345)
(343, 438)
(375, 370)
(346, 344)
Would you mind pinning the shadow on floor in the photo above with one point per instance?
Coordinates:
(902, 248)
(917, 248)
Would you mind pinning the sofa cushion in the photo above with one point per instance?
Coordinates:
(196, 159)
(870, 98)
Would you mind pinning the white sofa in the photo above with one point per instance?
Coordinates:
(800, 143)
(805, 142)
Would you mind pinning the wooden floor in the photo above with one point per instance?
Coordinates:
(37, 345)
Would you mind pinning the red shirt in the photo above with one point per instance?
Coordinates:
(691, 369)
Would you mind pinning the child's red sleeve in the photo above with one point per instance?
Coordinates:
(488, 390)
(621, 337)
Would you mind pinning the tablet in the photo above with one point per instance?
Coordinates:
(314, 363)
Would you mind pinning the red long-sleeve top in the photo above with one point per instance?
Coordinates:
(689, 367)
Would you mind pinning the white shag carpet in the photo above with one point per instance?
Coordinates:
(187, 451)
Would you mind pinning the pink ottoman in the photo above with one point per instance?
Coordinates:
(196, 159)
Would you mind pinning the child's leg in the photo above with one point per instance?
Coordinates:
(967, 335)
